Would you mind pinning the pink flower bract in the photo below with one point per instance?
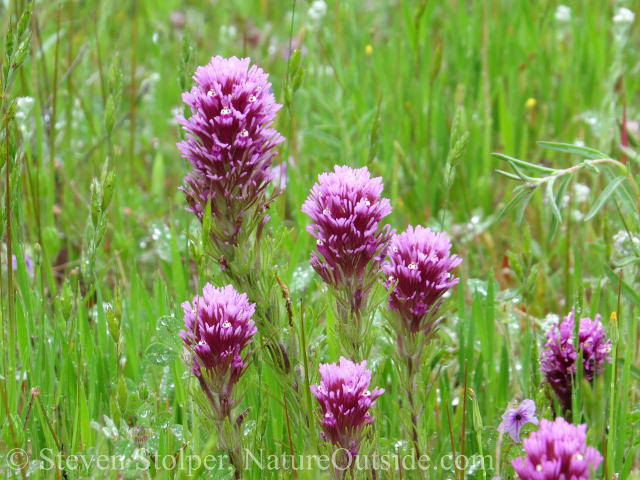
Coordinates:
(230, 143)
(346, 209)
(345, 401)
(559, 359)
(557, 451)
(419, 266)
(224, 329)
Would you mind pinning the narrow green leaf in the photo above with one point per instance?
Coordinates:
(177, 270)
(628, 292)
(509, 175)
(523, 206)
(627, 261)
(511, 205)
(604, 196)
(551, 200)
(554, 221)
(587, 152)
(526, 165)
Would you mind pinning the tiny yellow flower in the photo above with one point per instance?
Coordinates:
(400, 202)
(368, 50)
(530, 103)
(120, 15)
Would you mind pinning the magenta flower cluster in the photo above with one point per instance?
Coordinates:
(419, 270)
(345, 401)
(346, 209)
(557, 451)
(230, 143)
(218, 328)
(559, 359)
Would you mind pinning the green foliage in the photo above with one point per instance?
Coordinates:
(91, 364)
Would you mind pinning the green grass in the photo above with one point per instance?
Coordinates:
(496, 56)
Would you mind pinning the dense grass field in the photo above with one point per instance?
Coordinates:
(99, 249)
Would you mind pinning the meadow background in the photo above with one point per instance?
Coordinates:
(520, 71)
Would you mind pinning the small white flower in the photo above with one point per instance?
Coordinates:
(413, 266)
(319, 242)
(563, 13)
(244, 133)
(211, 93)
(252, 98)
(578, 456)
(624, 15)
(367, 394)
(581, 192)
(226, 325)
(225, 111)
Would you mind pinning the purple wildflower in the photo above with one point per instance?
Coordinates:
(345, 402)
(230, 143)
(224, 329)
(515, 418)
(559, 359)
(557, 451)
(346, 209)
(419, 266)
(27, 260)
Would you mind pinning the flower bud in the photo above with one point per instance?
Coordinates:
(140, 434)
(297, 80)
(108, 188)
(115, 412)
(114, 325)
(294, 63)
(143, 391)
(66, 300)
(95, 203)
(122, 394)
(615, 331)
(477, 417)
(109, 114)
(37, 254)
(118, 305)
